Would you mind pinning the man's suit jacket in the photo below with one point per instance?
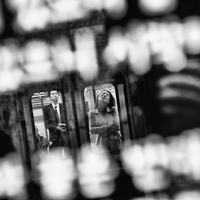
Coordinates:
(51, 122)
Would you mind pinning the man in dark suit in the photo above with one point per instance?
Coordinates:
(54, 120)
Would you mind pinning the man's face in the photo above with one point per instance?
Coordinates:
(54, 95)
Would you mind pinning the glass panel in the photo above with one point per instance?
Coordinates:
(49, 121)
(103, 118)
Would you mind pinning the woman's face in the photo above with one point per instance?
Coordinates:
(104, 96)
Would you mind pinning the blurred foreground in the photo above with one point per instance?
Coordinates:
(151, 168)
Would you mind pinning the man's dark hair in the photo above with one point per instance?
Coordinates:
(49, 92)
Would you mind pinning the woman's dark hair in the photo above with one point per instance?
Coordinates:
(111, 103)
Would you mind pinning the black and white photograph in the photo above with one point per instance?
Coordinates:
(99, 100)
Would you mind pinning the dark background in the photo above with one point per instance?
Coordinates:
(185, 112)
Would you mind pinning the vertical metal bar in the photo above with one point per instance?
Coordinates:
(76, 119)
(20, 109)
(119, 110)
(65, 115)
(74, 109)
(85, 117)
(129, 106)
(146, 109)
(41, 99)
(94, 94)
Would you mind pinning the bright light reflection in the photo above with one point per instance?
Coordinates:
(38, 68)
(63, 57)
(177, 156)
(187, 195)
(37, 62)
(160, 196)
(192, 146)
(191, 29)
(148, 160)
(137, 32)
(164, 32)
(138, 48)
(116, 8)
(65, 5)
(133, 157)
(2, 188)
(178, 79)
(13, 177)
(144, 164)
(170, 93)
(146, 198)
(64, 10)
(95, 175)
(176, 29)
(157, 6)
(7, 60)
(164, 46)
(154, 37)
(139, 58)
(35, 18)
(86, 57)
(17, 4)
(173, 58)
(183, 154)
(35, 3)
(93, 4)
(36, 51)
(10, 80)
(152, 156)
(116, 51)
(57, 175)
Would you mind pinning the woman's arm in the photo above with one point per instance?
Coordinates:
(113, 126)
(93, 127)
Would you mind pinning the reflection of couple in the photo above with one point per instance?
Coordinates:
(104, 122)
(54, 120)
